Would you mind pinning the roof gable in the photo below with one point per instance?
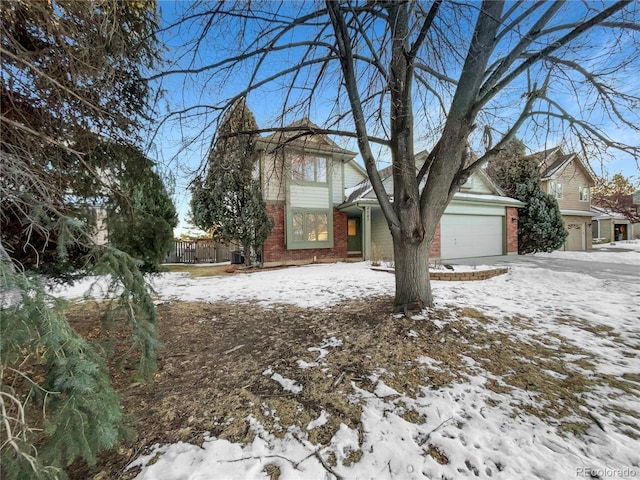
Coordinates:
(478, 183)
(302, 134)
(554, 161)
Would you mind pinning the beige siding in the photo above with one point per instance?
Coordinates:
(273, 185)
(571, 178)
(304, 196)
(381, 242)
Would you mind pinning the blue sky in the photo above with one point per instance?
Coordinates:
(181, 146)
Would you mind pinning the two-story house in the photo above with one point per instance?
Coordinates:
(303, 179)
(325, 209)
(569, 181)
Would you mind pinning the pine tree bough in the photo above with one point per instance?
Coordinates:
(73, 102)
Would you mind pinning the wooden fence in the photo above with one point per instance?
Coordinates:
(202, 250)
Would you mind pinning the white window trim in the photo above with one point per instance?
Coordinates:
(580, 189)
(556, 190)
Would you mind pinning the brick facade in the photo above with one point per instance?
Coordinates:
(512, 230)
(274, 251)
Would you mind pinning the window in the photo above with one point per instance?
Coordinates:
(298, 227)
(351, 227)
(584, 193)
(317, 230)
(555, 189)
(310, 229)
(309, 168)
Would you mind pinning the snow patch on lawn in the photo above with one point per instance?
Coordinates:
(477, 440)
(286, 383)
(318, 422)
(470, 429)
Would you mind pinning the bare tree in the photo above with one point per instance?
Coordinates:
(448, 76)
(616, 195)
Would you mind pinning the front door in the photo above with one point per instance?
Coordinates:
(354, 235)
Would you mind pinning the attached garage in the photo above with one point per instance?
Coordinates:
(478, 222)
(575, 241)
(579, 229)
(464, 236)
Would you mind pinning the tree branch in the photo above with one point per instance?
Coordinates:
(490, 90)
(516, 52)
(578, 124)
(346, 62)
(426, 26)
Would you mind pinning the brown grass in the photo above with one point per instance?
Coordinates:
(210, 375)
(199, 270)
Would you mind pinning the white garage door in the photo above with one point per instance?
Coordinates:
(464, 236)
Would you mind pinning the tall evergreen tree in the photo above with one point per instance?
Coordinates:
(540, 226)
(141, 216)
(72, 75)
(228, 200)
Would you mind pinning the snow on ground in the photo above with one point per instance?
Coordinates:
(481, 433)
(602, 253)
(626, 244)
(309, 286)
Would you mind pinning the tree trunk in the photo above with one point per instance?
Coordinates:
(413, 287)
(247, 254)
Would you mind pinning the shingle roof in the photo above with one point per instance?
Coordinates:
(359, 191)
(301, 133)
(553, 160)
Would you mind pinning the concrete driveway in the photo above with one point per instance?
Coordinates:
(601, 268)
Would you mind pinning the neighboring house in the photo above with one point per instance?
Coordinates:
(614, 217)
(325, 209)
(569, 181)
(101, 231)
(608, 226)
